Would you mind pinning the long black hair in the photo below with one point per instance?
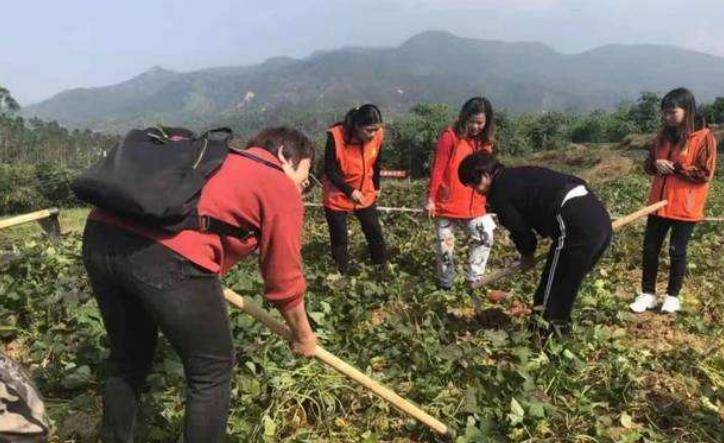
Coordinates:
(364, 115)
(693, 121)
(471, 108)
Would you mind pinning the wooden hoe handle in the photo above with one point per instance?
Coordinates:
(616, 225)
(339, 365)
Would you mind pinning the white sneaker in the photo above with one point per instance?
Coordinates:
(643, 302)
(670, 305)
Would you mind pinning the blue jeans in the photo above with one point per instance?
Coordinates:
(141, 288)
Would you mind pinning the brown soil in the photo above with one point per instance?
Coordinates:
(659, 334)
(594, 164)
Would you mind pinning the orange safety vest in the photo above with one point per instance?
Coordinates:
(686, 199)
(453, 199)
(356, 161)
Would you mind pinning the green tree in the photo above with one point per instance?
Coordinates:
(590, 128)
(412, 137)
(645, 113)
(7, 102)
(714, 112)
(510, 134)
(550, 130)
(602, 126)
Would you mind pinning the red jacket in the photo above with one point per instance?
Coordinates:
(245, 192)
(452, 198)
(687, 188)
(356, 161)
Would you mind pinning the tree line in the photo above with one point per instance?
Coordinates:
(412, 136)
(39, 158)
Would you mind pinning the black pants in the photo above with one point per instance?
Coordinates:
(656, 229)
(370, 222)
(582, 235)
(141, 288)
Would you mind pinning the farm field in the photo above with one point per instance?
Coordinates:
(619, 377)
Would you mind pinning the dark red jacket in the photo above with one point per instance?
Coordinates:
(245, 192)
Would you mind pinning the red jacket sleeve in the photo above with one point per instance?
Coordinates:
(443, 151)
(280, 254)
(701, 170)
(649, 164)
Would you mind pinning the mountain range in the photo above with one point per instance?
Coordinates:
(434, 66)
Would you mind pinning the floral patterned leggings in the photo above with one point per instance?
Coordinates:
(480, 236)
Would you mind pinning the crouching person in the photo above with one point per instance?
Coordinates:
(148, 281)
(532, 199)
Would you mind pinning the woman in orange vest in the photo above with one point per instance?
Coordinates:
(455, 204)
(682, 160)
(352, 181)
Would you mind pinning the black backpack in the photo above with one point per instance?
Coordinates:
(155, 177)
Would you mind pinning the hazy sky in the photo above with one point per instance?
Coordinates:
(47, 46)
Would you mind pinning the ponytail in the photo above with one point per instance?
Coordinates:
(364, 115)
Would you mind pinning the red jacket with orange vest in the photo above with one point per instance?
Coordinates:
(452, 198)
(272, 206)
(687, 188)
(356, 161)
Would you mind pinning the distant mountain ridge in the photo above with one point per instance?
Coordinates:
(434, 66)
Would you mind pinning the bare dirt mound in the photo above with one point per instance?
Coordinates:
(643, 141)
(593, 163)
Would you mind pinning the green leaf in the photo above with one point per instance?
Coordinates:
(517, 413)
(536, 410)
(270, 428)
(318, 317)
(626, 421)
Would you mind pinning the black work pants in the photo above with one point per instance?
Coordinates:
(370, 223)
(143, 287)
(656, 230)
(582, 235)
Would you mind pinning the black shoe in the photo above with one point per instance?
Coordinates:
(381, 271)
(542, 330)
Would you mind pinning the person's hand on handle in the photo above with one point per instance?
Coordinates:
(430, 208)
(304, 346)
(664, 167)
(357, 196)
(304, 341)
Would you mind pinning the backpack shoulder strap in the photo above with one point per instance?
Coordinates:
(214, 225)
(206, 223)
(257, 159)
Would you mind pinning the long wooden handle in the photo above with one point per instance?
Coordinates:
(616, 225)
(379, 208)
(339, 365)
(25, 218)
(623, 221)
